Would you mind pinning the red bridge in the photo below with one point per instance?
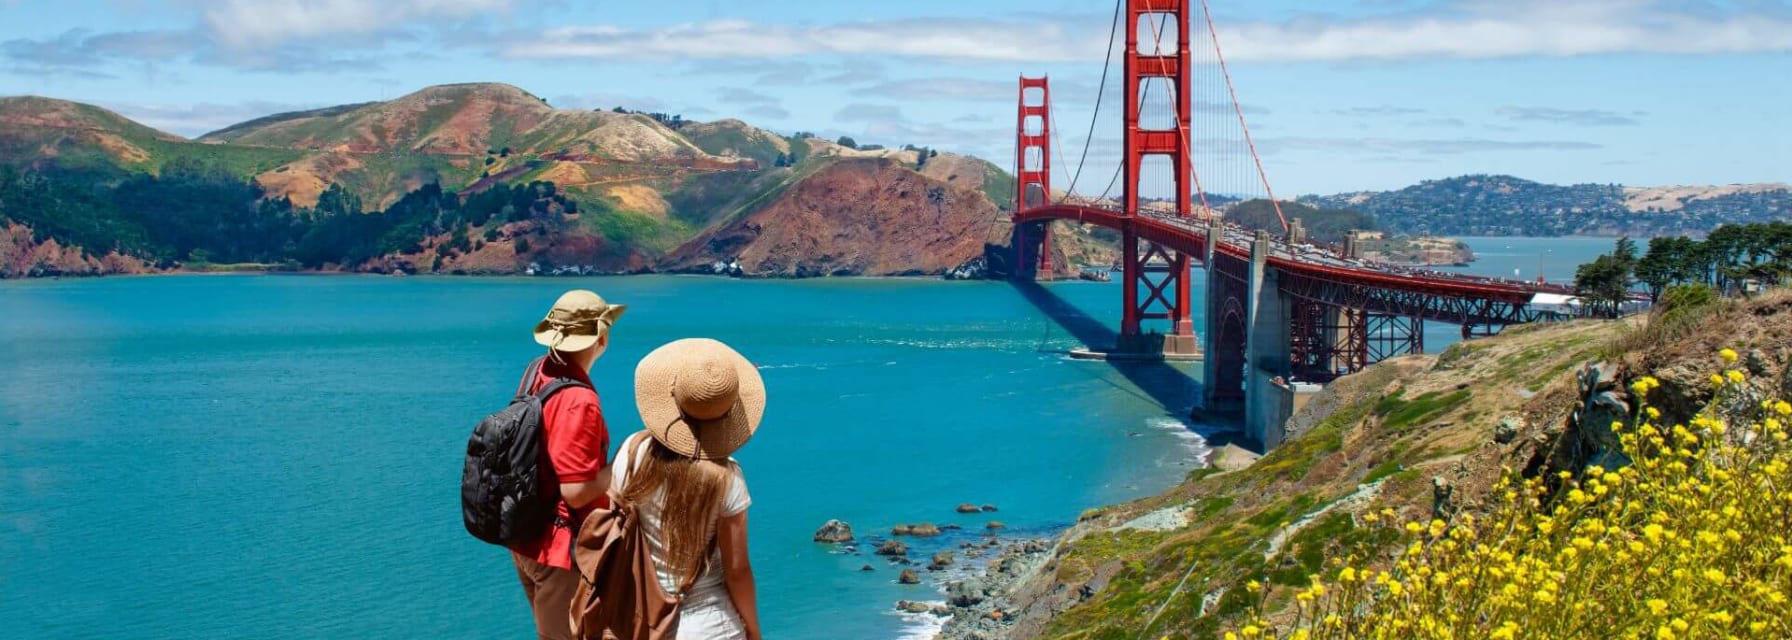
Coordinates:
(1278, 308)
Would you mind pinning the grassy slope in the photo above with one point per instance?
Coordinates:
(732, 137)
(94, 140)
(1389, 431)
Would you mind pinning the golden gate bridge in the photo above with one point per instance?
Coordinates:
(1278, 308)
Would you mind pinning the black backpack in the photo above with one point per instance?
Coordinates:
(507, 489)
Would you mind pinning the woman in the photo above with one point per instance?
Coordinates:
(700, 401)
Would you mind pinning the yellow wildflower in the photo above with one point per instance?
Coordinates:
(1728, 354)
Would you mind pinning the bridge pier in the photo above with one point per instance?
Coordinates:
(1267, 404)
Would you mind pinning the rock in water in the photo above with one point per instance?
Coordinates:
(867, 568)
(923, 530)
(899, 530)
(892, 548)
(909, 576)
(834, 531)
(995, 525)
(989, 508)
(910, 606)
(941, 560)
(968, 508)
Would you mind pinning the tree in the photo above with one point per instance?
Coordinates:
(521, 245)
(1604, 284)
(1657, 268)
(848, 142)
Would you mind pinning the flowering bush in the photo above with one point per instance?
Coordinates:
(1689, 541)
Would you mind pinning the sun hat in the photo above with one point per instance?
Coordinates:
(699, 398)
(577, 320)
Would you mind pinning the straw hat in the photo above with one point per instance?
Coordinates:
(699, 398)
(577, 320)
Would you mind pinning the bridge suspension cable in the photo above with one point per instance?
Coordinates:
(1220, 56)
(1106, 64)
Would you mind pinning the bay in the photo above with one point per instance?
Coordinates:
(218, 457)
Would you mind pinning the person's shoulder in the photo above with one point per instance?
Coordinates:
(574, 395)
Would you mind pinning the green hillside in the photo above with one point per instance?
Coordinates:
(438, 170)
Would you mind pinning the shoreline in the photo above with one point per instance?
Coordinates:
(351, 274)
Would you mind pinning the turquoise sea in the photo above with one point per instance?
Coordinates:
(279, 457)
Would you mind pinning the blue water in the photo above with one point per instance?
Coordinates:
(221, 457)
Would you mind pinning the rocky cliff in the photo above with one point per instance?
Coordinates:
(22, 255)
(854, 216)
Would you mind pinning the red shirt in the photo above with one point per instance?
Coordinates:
(577, 442)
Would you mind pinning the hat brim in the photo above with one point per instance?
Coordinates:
(708, 439)
(546, 335)
(569, 343)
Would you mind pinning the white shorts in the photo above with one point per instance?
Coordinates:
(710, 617)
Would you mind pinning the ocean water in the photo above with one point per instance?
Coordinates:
(279, 457)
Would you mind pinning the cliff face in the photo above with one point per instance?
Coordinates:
(855, 216)
(1421, 437)
(22, 256)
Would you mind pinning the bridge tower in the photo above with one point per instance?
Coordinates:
(1161, 275)
(1033, 178)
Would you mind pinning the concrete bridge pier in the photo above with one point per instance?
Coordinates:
(1268, 341)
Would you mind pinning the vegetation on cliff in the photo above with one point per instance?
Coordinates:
(1679, 532)
(1445, 437)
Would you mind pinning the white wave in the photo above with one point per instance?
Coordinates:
(920, 626)
(1193, 442)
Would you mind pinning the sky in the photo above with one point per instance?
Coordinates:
(1339, 96)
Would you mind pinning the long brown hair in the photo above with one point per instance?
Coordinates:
(694, 491)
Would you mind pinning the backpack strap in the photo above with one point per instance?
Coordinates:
(530, 373)
(555, 386)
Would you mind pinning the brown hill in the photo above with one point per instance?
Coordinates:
(466, 119)
(854, 216)
(50, 130)
(641, 195)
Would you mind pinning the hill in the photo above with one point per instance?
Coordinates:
(478, 178)
(46, 133)
(1506, 205)
(1412, 440)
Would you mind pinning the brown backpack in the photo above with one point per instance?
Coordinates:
(619, 596)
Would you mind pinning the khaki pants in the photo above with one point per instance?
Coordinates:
(550, 596)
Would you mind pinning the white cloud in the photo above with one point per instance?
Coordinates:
(196, 119)
(1580, 117)
(1468, 29)
(258, 23)
(1476, 29)
(993, 40)
(1446, 146)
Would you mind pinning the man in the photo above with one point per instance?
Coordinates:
(576, 332)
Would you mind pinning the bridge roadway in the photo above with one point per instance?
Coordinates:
(1316, 275)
